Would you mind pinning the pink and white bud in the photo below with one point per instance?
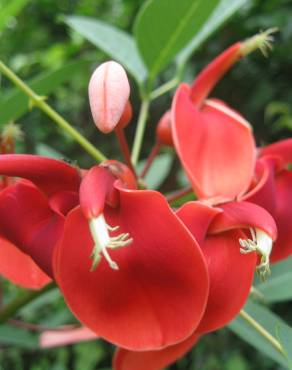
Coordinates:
(109, 92)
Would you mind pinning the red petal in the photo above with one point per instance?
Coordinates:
(152, 360)
(231, 276)
(282, 148)
(19, 268)
(158, 295)
(231, 273)
(64, 201)
(28, 222)
(198, 217)
(215, 146)
(264, 192)
(214, 71)
(283, 246)
(238, 215)
(96, 187)
(50, 175)
(64, 337)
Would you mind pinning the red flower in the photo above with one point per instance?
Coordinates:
(216, 146)
(146, 284)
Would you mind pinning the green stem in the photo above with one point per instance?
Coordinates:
(12, 307)
(140, 131)
(261, 330)
(39, 102)
(164, 88)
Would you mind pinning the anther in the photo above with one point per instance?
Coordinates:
(261, 243)
(262, 41)
(100, 234)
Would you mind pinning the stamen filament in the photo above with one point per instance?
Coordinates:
(100, 234)
(261, 243)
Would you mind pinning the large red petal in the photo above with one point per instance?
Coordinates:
(231, 273)
(49, 174)
(283, 246)
(158, 295)
(19, 268)
(28, 222)
(243, 215)
(216, 147)
(152, 360)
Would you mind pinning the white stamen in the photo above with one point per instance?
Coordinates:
(261, 243)
(100, 234)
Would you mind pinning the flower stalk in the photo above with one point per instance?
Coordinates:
(140, 131)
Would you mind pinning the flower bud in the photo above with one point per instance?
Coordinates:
(109, 92)
(163, 130)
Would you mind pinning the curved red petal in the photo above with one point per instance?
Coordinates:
(238, 215)
(282, 149)
(152, 360)
(49, 174)
(96, 186)
(28, 222)
(263, 192)
(214, 71)
(19, 268)
(198, 216)
(216, 148)
(231, 275)
(283, 246)
(158, 295)
(64, 201)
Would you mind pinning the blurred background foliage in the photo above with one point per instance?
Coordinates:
(34, 42)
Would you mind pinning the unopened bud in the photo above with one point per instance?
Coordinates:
(163, 130)
(109, 92)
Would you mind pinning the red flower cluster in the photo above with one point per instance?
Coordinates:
(136, 272)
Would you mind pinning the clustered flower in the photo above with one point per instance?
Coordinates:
(134, 271)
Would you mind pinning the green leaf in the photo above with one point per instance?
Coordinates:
(14, 103)
(114, 42)
(278, 286)
(284, 334)
(158, 171)
(248, 333)
(10, 9)
(164, 27)
(19, 337)
(223, 11)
